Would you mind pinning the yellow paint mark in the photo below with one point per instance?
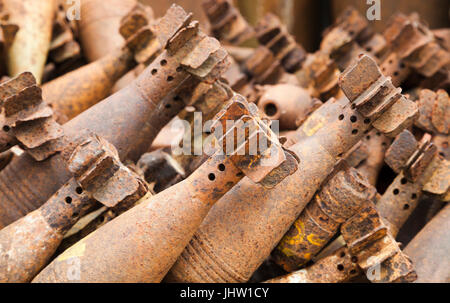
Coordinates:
(307, 256)
(298, 238)
(315, 240)
(75, 251)
(311, 126)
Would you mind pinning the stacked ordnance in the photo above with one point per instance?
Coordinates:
(138, 148)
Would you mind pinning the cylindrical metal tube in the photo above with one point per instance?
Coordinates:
(336, 268)
(429, 250)
(73, 93)
(229, 248)
(99, 26)
(337, 201)
(127, 113)
(27, 245)
(32, 42)
(152, 234)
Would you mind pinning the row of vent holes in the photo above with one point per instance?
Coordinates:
(354, 119)
(397, 191)
(78, 190)
(212, 176)
(340, 267)
(402, 66)
(164, 63)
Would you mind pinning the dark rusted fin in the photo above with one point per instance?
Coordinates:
(376, 98)
(227, 23)
(28, 119)
(272, 33)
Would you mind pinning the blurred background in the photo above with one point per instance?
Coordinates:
(306, 19)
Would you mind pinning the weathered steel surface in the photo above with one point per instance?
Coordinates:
(272, 33)
(32, 42)
(421, 169)
(229, 248)
(375, 249)
(27, 245)
(227, 23)
(74, 92)
(99, 26)
(336, 268)
(434, 111)
(150, 243)
(416, 45)
(429, 250)
(127, 112)
(27, 119)
(338, 200)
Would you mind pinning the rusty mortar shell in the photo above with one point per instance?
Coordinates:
(227, 23)
(229, 248)
(416, 45)
(74, 92)
(338, 267)
(374, 249)
(420, 169)
(27, 245)
(29, 50)
(99, 26)
(339, 199)
(289, 104)
(146, 99)
(152, 243)
(358, 29)
(273, 34)
(429, 249)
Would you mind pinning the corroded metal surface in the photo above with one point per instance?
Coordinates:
(27, 119)
(27, 245)
(420, 169)
(151, 240)
(416, 45)
(434, 111)
(375, 249)
(429, 249)
(336, 268)
(229, 248)
(100, 24)
(272, 33)
(127, 112)
(74, 92)
(338, 200)
(227, 23)
(320, 75)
